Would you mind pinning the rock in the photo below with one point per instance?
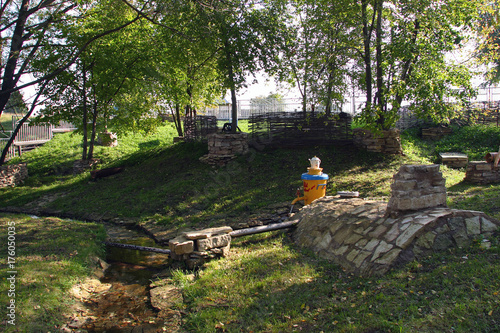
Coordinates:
(180, 245)
(213, 242)
(207, 233)
(165, 297)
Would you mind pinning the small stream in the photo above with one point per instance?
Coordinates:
(125, 306)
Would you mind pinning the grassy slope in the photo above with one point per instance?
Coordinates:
(267, 284)
(168, 183)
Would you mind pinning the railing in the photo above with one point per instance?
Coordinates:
(32, 135)
(12, 151)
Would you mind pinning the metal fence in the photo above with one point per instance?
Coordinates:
(249, 108)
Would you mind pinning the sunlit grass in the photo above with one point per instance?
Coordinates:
(51, 255)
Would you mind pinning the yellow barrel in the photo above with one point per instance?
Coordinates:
(314, 183)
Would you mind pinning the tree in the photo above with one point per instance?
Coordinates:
(186, 71)
(102, 84)
(243, 32)
(28, 29)
(488, 30)
(317, 50)
(405, 44)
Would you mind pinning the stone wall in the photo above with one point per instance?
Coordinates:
(454, 160)
(417, 187)
(480, 172)
(12, 175)
(388, 142)
(223, 147)
(356, 234)
(435, 133)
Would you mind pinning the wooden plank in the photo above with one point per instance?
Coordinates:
(30, 143)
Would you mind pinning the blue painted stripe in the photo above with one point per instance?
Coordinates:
(306, 176)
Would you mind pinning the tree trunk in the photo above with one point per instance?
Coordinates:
(407, 67)
(16, 45)
(232, 87)
(367, 54)
(85, 114)
(20, 124)
(177, 119)
(93, 135)
(234, 111)
(381, 103)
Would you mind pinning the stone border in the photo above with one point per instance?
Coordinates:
(223, 147)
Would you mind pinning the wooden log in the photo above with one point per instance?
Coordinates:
(96, 174)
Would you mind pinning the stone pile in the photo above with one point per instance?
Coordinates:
(195, 247)
(12, 175)
(356, 234)
(223, 147)
(479, 172)
(107, 139)
(417, 187)
(435, 133)
(388, 142)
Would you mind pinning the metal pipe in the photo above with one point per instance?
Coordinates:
(138, 247)
(263, 228)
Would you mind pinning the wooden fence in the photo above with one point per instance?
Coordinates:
(31, 136)
(293, 129)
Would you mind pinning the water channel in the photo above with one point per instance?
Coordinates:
(124, 305)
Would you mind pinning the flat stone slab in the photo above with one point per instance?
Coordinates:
(356, 234)
(207, 233)
(456, 160)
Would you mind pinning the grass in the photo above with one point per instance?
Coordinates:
(51, 255)
(267, 284)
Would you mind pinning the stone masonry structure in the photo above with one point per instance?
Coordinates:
(388, 142)
(417, 187)
(360, 236)
(194, 247)
(454, 160)
(480, 172)
(223, 147)
(13, 174)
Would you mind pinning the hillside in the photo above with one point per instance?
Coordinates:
(167, 183)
